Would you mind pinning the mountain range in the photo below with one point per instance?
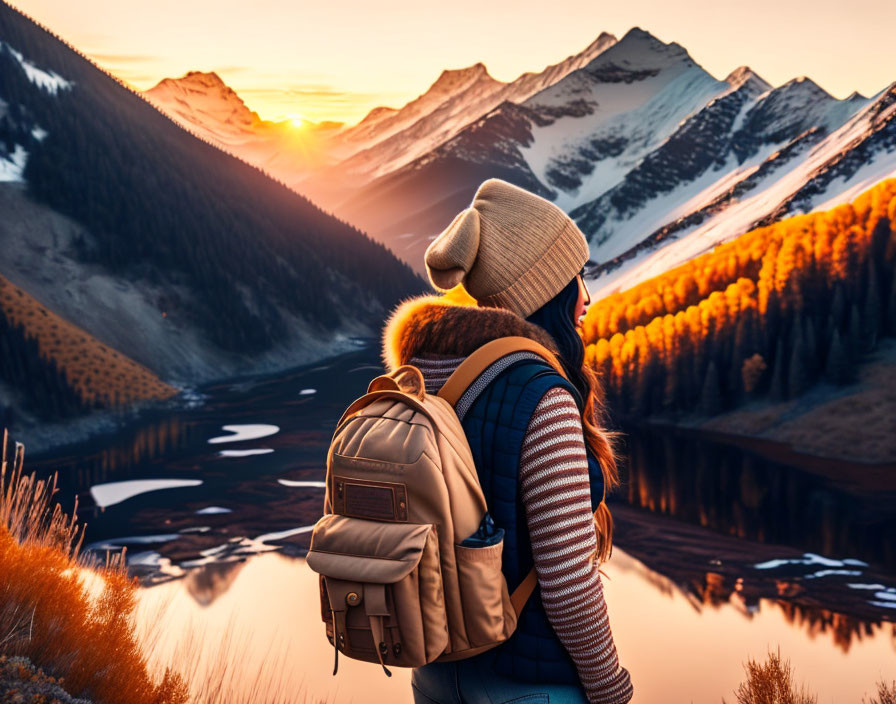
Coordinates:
(655, 159)
(157, 243)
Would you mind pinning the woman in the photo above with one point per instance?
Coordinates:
(542, 461)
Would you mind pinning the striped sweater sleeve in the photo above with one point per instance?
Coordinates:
(557, 499)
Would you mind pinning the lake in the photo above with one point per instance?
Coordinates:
(724, 549)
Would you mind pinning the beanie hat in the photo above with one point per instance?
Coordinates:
(510, 249)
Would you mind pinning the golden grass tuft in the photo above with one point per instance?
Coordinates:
(886, 694)
(46, 611)
(771, 682)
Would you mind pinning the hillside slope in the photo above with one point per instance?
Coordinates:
(248, 273)
(785, 332)
(655, 159)
(53, 368)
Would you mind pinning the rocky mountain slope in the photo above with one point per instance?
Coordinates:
(162, 246)
(644, 149)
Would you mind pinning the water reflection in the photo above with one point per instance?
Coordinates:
(85, 464)
(672, 656)
(711, 569)
(738, 542)
(832, 508)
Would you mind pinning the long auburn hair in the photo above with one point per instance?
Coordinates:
(557, 318)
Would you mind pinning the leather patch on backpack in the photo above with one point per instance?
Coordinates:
(383, 501)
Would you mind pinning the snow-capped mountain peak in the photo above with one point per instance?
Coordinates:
(603, 41)
(640, 49)
(744, 75)
(451, 81)
(805, 86)
(203, 98)
(377, 114)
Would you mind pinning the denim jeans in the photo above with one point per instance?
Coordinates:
(474, 681)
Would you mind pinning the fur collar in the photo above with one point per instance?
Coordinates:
(441, 324)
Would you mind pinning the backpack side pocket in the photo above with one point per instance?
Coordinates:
(488, 613)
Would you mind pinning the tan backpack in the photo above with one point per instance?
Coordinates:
(397, 585)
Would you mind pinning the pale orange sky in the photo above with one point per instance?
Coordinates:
(338, 59)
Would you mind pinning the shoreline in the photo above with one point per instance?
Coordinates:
(50, 437)
(848, 473)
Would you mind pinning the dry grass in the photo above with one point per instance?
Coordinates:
(886, 694)
(46, 612)
(97, 372)
(771, 682)
(218, 670)
(75, 620)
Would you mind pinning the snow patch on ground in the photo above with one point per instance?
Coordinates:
(245, 453)
(245, 431)
(113, 493)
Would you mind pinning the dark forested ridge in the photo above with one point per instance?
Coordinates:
(53, 369)
(45, 390)
(163, 206)
(768, 314)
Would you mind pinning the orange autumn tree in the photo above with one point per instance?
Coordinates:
(782, 306)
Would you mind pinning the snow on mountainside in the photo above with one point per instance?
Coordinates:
(444, 110)
(23, 129)
(732, 133)
(446, 104)
(642, 147)
(473, 82)
(175, 253)
(569, 142)
(815, 170)
(604, 118)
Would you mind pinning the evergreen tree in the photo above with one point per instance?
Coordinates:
(778, 388)
(710, 397)
(798, 373)
(838, 307)
(837, 369)
(855, 345)
(891, 308)
(813, 361)
(871, 311)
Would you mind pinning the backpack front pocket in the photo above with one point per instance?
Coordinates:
(381, 589)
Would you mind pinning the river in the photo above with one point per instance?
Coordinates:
(724, 550)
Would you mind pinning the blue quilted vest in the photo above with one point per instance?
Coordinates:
(495, 413)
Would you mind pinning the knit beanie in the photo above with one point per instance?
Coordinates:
(510, 249)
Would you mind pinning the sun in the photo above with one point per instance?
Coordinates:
(298, 121)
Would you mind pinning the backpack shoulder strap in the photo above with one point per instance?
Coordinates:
(461, 378)
(490, 352)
